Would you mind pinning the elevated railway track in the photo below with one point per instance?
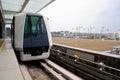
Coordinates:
(35, 71)
(70, 63)
(45, 70)
(86, 63)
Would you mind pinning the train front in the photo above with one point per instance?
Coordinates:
(37, 38)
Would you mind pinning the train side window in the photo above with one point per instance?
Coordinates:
(27, 27)
(43, 26)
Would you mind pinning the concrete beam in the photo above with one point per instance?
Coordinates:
(45, 5)
(10, 12)
(24, 5)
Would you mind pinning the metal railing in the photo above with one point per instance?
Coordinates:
(101, 62)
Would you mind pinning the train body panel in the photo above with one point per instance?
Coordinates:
(48, 30)
(31, 36)
(19, 31)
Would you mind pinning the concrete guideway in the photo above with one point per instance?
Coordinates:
(62, 71)
(9, 67)
(25, 73)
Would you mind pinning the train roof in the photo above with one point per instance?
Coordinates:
(20, 14)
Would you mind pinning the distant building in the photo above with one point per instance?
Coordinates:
(114, 36)
(69, 34)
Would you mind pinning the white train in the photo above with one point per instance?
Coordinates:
(31, 38)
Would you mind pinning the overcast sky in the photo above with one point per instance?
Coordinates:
(68, 14)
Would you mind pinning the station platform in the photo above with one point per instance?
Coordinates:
(9, 67)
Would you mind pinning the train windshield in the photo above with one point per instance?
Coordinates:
(35, 34)
(34, 25)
